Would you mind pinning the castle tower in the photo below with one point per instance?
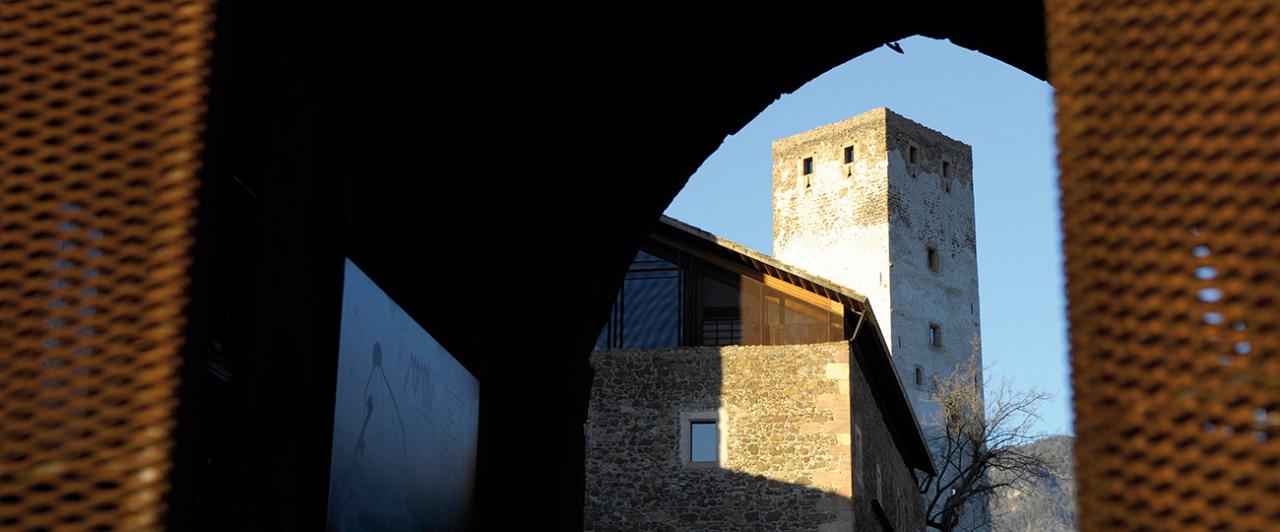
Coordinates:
(884, 206)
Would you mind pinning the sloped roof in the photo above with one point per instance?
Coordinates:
(766, 264)
(872, 351)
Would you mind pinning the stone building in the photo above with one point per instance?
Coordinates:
(884, 206)
(733, 391)
(736, 390)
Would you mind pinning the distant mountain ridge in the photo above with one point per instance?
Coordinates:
(1045, 504)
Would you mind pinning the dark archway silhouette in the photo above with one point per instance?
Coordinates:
(496, 181)
(496, 167)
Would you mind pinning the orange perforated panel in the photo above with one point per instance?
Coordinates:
(100, 105)
(1169, 137)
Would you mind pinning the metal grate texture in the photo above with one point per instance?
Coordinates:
(1169, 139)
(100, 106)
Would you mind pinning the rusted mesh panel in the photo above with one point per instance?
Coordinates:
(1169, 137)
(99, 123)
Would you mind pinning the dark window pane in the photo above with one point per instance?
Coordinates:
(721, 315)
(651, 313)
(646, 313)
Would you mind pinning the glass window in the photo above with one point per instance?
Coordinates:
(704, 441)
(721, 315)
(724, 309)
(648, 309)
(805, 323)
(771, 317)
(752, 304)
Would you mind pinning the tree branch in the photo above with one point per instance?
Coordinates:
(972, 436)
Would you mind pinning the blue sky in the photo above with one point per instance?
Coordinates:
(1007, 116)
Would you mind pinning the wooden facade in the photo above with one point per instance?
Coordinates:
(682, 291)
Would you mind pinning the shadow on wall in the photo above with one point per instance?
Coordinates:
(792, 446)
(712, 499)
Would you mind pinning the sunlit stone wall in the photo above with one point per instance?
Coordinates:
(869, 224)
(789, 448)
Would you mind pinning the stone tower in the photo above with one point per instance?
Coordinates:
(884, 206)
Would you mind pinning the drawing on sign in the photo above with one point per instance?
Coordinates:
(403, 456)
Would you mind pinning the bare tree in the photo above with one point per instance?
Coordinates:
(969, 437)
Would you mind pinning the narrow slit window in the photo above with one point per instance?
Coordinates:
(704, 441)
(913, 155)
(947, 170)
(935, 335)
(806, 166)
(934, 261)
(919, 377)
(848, 154)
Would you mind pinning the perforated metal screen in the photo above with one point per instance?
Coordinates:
(99, 127)
(1168, 124)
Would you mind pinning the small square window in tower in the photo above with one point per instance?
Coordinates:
(806, 166)
(913, 155)
(848, 154)
(934, 260)
(935, 335)
(948, 171)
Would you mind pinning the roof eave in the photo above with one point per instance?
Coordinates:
(909, 435)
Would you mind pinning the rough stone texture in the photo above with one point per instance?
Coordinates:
(875, 455)
(788, 448)
(868, 225)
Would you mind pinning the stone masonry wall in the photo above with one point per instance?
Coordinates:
(868, 225)
(835, 222)
(821, 226)
(878, 471)
(923, 211)
(786, 421)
